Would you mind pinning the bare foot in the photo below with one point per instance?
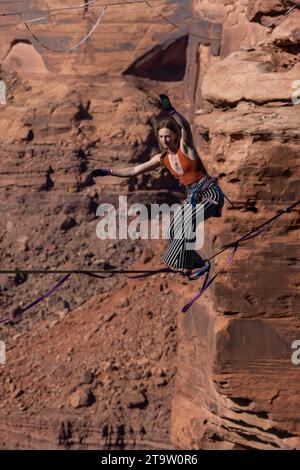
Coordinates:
(183, 272)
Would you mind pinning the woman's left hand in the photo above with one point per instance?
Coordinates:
(166, 104)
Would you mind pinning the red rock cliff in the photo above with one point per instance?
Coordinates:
(125, 368)
(236, 385)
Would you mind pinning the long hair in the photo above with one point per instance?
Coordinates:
(172, 125)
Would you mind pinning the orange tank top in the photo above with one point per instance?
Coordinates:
(193, 170)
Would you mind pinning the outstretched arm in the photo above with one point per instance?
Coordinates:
(151, 164)
(186, 133)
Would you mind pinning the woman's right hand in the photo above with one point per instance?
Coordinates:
(102, 172)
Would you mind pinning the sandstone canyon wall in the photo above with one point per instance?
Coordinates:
(108, 364)
(236, 385)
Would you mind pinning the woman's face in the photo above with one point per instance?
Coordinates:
(167, 138)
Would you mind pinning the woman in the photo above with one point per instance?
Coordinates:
(179, 155)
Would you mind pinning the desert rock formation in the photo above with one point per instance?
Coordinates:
(114, 363)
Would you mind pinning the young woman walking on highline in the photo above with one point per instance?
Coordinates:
(203, 193)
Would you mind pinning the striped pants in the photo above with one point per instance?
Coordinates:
(212, 200)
